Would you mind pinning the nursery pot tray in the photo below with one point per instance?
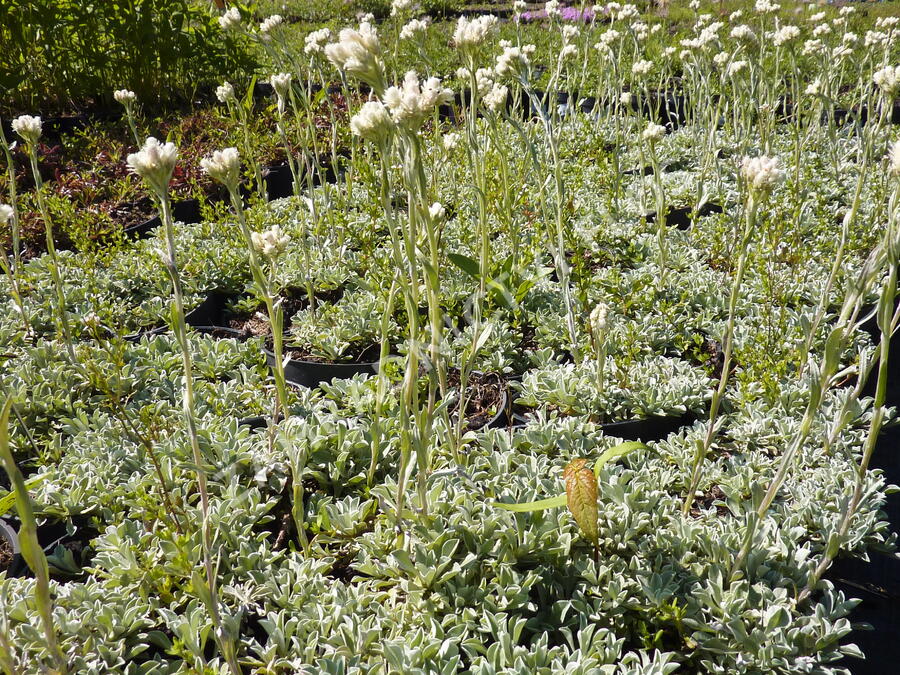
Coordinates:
(654, 428)
(187, 211)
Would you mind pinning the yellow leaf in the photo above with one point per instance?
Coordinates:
(581, 498)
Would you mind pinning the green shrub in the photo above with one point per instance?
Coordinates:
(59, 52)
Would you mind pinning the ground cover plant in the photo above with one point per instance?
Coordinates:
(569, 352)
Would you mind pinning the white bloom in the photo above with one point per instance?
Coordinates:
(694, 5)
(125, 96)
(225, 93)
(627, 12)
(641, 68)
(766, 6)
(743, 33)
(6, 213)
(653, 133)
(567, 52)
(437, 212)
(811, 47)
(785, 34)
(514, 61)
(495, 99)
(402, 6)
(669, 52)
(372, 122)
(823, 29)
(231, 19)
(625, 98)
(841, 51)
(271, 243)
(599, 319)
(608, 37)
(411, 103)
(887, 21)
(450, 141)
(28, 127)
(887, 79)
(762, 173)
(270, 25)
(155, 163)
(893, 157)
(223, 166)
(472, 33)
(874, 37)
(552, 9)
(314, 43)
(413, 28)
(569, 33)
(735, 15)
(721, 58)
(281, 83)
(359, 53)
(814, 88)
(519, 6)
(735, 67)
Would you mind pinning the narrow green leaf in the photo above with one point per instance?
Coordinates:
(466, 264)
(543, 504)
(617, 451)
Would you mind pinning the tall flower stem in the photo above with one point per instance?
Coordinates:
(11, 181)
(226, 642)
(728, 347)
(62, 317)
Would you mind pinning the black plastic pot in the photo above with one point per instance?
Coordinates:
(187, 211)
(654, 428)
(258, 421)
(682, 216)
(11, 537)
(279, 181)
(206, 317)
(312, 373)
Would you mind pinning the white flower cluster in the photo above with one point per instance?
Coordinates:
(373, 122)
(402, 7)
(125, 96)
(653, 133)
(6, 213)
(608, 38)
(410, 104)
(281, 83)
(270, 26)
(450, 141)
(223, 166)
(155, 163)
(230, 20)
(437, 212)
(735, 67)
(28, 127)
(785, 35)
(271, 243)
(470, 34)
(551, 7)
(413, 28)
(225, 93)
(743, 33)
(359, 54)
(766, 6)
(519, 6)
(641, 68)
(888, 80)
(314, 43)
(599, 319)
(762, 173)
(495, 99)
(894, 159)
(627, 12)
(514, 61)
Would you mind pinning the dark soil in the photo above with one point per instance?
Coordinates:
(356, 353)
(712, 495)
(484, 392)
(6, 555)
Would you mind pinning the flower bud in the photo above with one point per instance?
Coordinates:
(223, 166)
(28, 127)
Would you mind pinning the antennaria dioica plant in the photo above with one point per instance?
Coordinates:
(155, 163)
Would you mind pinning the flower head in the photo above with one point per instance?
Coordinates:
(450, 141)
(359, 54)
(402, 6)
(223, 166)
(893, 157)
(515, 61)
(653, 133)
(6, 213)
(271, 243)
(411, 103)
(28, 127)
(495, 99)
(270, 25)
(125, 96)
(888, 80)
(599, 319)
(314, 43)
(225, 93)
(413, 28)
(230, 20)
(281, 83)
(373, 122)
(762, 174)
(155, 163)
(470, 34)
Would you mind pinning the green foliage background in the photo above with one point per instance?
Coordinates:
(64, 52)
